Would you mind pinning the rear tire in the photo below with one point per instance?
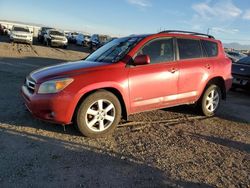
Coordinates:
(99, 114)
(210, 101)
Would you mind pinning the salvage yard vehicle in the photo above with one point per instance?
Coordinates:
(21, 34)
(98, 41)
(41, 33)
(2, 29)
(72, 37)
(241, 73)
(235, 56)
(82, 39)
(56, 38)
(131, 75)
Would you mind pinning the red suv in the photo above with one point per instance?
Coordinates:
(130, 75)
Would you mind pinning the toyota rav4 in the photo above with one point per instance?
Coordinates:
(130, 75)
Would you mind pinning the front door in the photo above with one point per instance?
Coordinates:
(154, 85)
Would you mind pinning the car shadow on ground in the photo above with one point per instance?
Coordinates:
(66, 163)
(243, 147)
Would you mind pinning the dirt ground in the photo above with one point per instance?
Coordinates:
(164, 148)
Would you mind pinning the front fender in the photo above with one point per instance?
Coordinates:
(96, 86)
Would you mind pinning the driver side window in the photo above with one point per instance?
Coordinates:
(159, 50)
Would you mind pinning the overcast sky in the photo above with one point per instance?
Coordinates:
(228, 20)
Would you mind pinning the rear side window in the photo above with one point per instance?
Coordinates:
(159, 50)
(211, 48)
(189, 49)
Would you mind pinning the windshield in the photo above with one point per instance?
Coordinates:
(114, 50)
(245, 60)
(21, 29)
(56, 33)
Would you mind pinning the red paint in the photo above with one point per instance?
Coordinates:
(142, 87)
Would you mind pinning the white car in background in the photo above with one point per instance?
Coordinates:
(56, 38)
(72, 37)
(21, 34)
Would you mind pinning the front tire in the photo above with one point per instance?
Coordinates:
(210, 100)
(99, 114)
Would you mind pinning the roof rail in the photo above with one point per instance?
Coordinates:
(188, 32)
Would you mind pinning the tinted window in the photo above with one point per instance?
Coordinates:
(160, 50)
(245, 60)
(211, 48)
(22, 29)
(189, 49)
(114, 50)
(58, 33)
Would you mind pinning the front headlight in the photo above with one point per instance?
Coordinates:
(54, 86)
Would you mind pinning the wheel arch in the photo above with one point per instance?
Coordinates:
(220, 82)
(112, 90)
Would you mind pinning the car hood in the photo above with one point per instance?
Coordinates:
(64, 69)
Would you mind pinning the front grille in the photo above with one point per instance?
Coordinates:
(57, 38)
(21, 36)
(30, 85)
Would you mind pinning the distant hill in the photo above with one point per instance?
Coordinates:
(24, 23)
(237, 46)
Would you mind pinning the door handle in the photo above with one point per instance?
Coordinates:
(208, 66)
(173, 70)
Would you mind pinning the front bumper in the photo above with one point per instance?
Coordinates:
(58, 43)
(49, 107)
(21, 39)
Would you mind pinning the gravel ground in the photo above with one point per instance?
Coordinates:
(164, 148)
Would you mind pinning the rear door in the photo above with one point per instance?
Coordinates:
(154, 85)
(194, 67)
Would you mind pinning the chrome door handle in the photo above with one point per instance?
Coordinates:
(208, 66)
(173, 70)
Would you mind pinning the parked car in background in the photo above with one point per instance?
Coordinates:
(97, 41)
(233, 59)
(41, 33)
(21, 34)
(235, 56)
(2, 29)
(72, 37)
(131, 75)
(66, 34)
(56, 38)
(86, 40)
(82, 39)
(241, 73)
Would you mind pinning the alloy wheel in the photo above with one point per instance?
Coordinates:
(100, 115)
(212, 100)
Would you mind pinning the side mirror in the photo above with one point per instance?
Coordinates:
(142, 60)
